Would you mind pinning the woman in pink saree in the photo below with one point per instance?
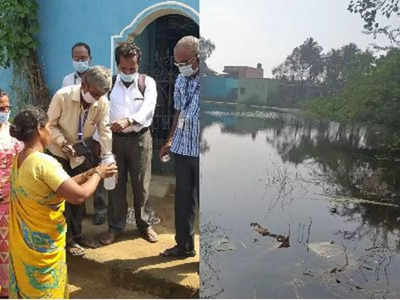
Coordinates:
(9, 147)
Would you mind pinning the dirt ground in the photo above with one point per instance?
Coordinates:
(132, 267)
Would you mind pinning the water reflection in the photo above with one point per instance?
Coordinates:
(305, 182)
(209, 268)
(349, 157)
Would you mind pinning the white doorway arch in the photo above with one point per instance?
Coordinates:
(147, 16)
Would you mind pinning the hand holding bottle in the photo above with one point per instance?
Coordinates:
(110, 182)
(106, 170)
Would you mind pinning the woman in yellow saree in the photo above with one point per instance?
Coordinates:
(37, 225)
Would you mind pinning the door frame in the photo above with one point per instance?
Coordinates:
(147, 16)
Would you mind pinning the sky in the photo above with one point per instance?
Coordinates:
(246, 32)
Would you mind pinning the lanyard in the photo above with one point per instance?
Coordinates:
(188, 100)
(81, 123)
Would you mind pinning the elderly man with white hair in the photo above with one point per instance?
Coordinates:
(183, 143)
(75, 112)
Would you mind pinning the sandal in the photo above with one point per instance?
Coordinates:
(75, 249)
(108, 238)
(89, 243)
(149, 235)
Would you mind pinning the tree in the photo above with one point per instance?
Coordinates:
(372, 98)
(303, 64)
(19, 48)
(375, 97)
(302, 68)
(341, 65)
(207, 47)
(371, 10)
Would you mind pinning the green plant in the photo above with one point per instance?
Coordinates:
(18, 50)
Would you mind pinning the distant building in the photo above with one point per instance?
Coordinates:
(244, 72)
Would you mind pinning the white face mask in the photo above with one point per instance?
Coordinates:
(88, 97)
(80, 66)
(128, 78)
(187, 70)
(4, 116)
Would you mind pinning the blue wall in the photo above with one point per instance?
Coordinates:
(65, 22)
(5, 81)
(219, 88)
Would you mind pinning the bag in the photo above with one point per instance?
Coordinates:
(90, 149)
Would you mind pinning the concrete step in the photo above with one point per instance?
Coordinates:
(86, 285)
(132, 265)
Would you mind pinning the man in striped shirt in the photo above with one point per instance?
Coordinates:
(183, 142)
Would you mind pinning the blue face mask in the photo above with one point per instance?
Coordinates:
(4, 116)
(80, 66)
(128, 78)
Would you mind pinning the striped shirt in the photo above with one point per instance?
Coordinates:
(187, 100)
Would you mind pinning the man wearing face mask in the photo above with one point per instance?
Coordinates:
(75, 112)
(133, 100)
(183, 142)
(81, 58)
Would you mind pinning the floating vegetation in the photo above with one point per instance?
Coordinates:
(283, 240)
(360, 201)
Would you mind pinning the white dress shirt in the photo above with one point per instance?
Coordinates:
(71, 79)
(130, 103)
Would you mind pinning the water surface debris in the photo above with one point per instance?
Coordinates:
(223, 245)
(327, 250)
(360, 201)
(260, 229)
(284, 240)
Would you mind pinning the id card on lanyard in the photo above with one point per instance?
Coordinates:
(181, 118)
(81, 124)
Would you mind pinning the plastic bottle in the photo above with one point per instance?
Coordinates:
(110, 182)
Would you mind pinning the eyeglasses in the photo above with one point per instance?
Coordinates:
(80, 59)
(185, 63)
(5, 108)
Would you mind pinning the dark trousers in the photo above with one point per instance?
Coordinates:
(186, 199)
(100, 199)
(74, 213)
(133, 153)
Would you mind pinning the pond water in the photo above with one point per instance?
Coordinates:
(295, 208)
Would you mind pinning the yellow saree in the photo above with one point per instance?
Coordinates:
(37, 229)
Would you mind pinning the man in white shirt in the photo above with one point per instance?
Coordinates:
(75, 112)
(81, 59)
(133, 100)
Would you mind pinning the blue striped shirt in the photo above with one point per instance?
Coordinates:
(187, 100)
